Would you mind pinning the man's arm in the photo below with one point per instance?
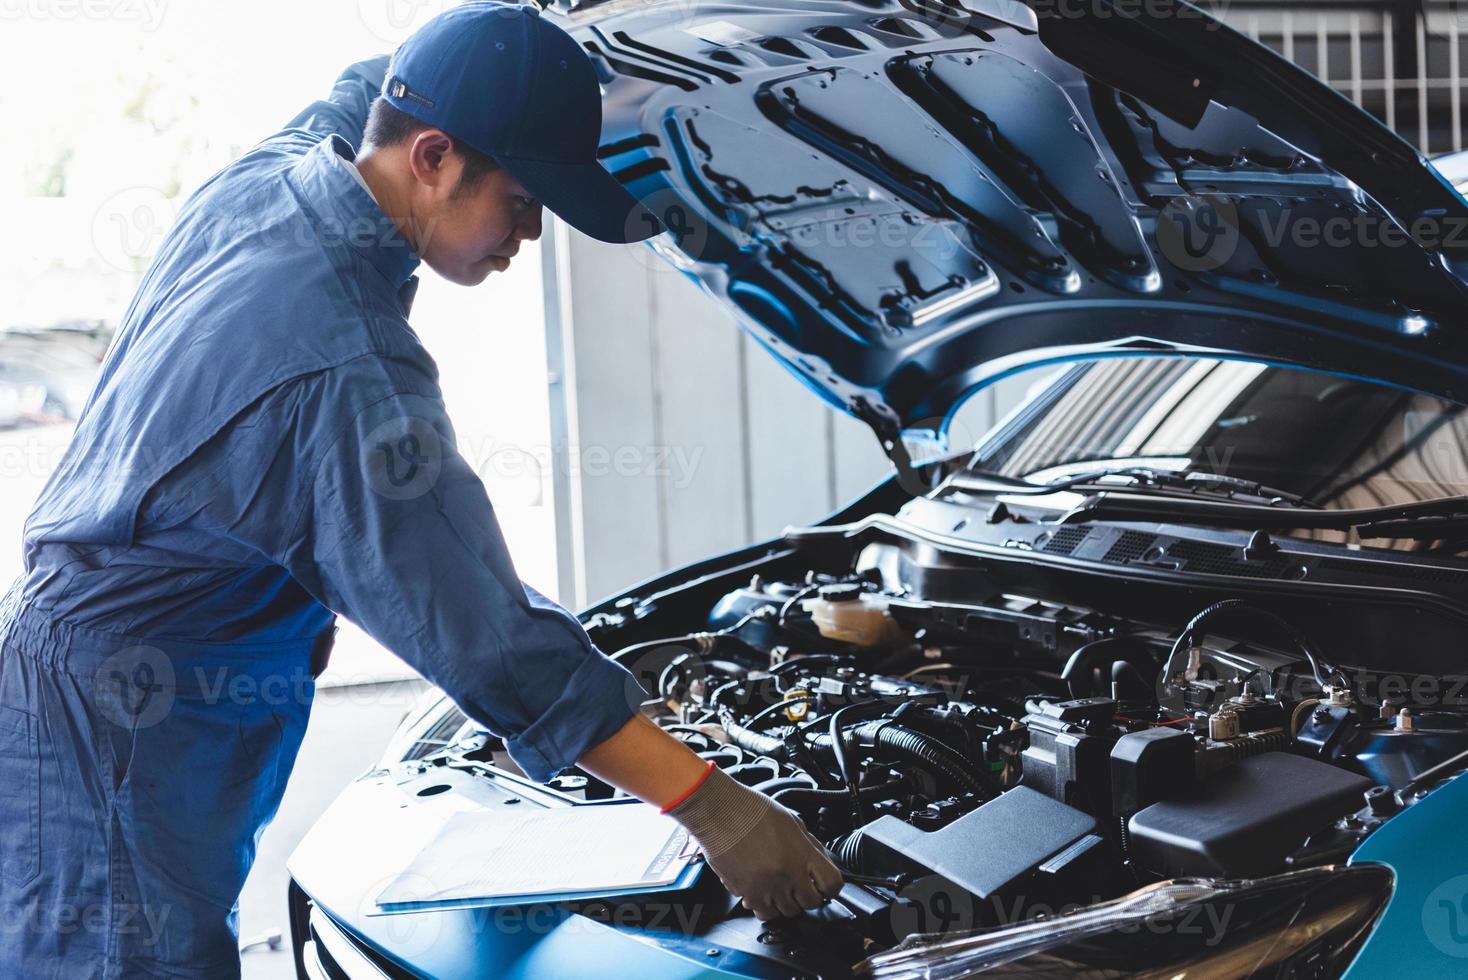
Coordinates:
(645, 761)
(397, 534)
(344, 111)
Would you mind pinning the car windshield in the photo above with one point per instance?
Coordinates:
(1342, 443)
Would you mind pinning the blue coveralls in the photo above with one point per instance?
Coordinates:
(266, 447)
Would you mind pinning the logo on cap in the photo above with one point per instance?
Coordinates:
(398, 89)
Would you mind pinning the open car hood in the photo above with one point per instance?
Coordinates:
(904, 201)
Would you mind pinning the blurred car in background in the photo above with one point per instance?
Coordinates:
(46, 373)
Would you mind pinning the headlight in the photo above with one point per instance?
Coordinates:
(1302, 924)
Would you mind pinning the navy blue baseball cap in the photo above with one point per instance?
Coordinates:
(519, 89)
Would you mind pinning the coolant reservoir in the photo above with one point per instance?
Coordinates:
(848, 614)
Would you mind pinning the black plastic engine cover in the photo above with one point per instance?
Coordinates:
(1244, 821)
(987, 850)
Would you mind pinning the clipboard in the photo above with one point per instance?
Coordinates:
(489, 858)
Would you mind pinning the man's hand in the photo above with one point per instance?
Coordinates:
(760, 850)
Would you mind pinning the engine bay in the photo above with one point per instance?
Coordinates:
(1125, 759)
(978, 759)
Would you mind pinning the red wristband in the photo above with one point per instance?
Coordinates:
(708, 770)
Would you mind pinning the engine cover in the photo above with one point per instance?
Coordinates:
(1244, 821)
(985, 852)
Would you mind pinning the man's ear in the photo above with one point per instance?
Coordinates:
(432, 160)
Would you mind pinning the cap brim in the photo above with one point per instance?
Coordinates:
(587, 198)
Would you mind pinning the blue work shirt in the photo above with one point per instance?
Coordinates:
(266, 447)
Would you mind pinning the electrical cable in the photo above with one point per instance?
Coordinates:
(769, 709)
(1195, 625)
(838, 746)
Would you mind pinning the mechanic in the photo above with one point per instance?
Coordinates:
(267, 447)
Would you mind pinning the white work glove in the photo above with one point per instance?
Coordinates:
(758, 848)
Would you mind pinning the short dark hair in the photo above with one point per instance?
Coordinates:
(387, 125)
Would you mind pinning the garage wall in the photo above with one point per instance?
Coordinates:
(675, 435)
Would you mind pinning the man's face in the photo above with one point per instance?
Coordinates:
(467, 233)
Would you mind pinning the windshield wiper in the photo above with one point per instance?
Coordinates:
(1153, 481)
(1421, 519)
(1215, 500)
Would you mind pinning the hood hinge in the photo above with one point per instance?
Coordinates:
(889, 434)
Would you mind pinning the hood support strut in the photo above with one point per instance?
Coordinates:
(889, 434)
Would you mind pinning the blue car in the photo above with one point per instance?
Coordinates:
(1162, 675)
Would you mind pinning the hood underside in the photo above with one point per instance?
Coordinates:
(904, 201)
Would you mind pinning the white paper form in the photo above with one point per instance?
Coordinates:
(571, 850)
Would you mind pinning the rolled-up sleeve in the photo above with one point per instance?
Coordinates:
(398, 535)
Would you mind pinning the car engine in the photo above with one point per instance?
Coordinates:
(970, 765)
(980, 762)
